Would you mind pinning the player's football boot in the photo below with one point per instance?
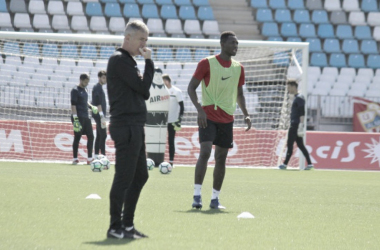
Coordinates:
(75, 162)
(134, 234)
(282, 166)
(197, 202)
(118, 234)
(309, 167)
(216, 205)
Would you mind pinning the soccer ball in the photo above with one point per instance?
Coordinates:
(150, 164)
(165, 167)
(99, 157)
(105, 162)
(96, 166)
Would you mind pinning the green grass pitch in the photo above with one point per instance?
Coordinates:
(43, 206)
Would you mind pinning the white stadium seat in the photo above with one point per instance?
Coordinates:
(98, 23)
(173, 26)
(41, 21)
(192, 27)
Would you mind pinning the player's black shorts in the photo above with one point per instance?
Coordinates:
(221, 134)
(86, 125)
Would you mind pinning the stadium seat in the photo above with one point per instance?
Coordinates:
(41, 21)
(155, 25)
(117, 24)
(326, 31)
(366, 72)
(356, 61)
(107, 1)
(318, 59)
(295, 4)
(307, 30)
(55, 8)
(289, 29)
(141, 2)
(314, 4)
(88, 51)
(373, 19)
(376, 33)
(183, 55)
(277, 4)
(182, 2)
(372, 94)
(314, 44)
(275, 38)
(168, 11)
(350, 46)
(344, 31)
(357, 91)
(301, 16)
(259, 4)
(270, 29)
(164, 54)
(35, 7)
(205, 13)
(348, 79)
(22, 20)
(332, 5)
(126, 1)
(342, 85)
(282, 16)
(112, 10)
(264, 15)
(362, 32)
(98, 23)
(192, 27)
(373, 61)
(330, 71)
(210, 27)
(74, 8)
(319, 16)
(201, 53)
(294, 39)
(357, 18)
(94, 9)
(348, 72)
(17, 6)
(187, 12)
(79, 23)
(369, 47)
(50, 50)
(164, 2)
(338, 17)
(131, 10)
(337, 60)
(70, 51)
(173, 26)
(5, 20)
(3, 6)
(369, 6)
(350, 5)
(363, 79)
(199, 3)
(150, 11)
(30, 49)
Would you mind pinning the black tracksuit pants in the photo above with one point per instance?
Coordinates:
(131, 173)
(171, 136)
(101, 136)
(86, 130)
(293, 137)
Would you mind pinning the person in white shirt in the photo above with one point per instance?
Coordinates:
(176, 110)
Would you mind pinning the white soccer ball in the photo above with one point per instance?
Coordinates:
(99, 157)
(165, 168)
(150, 164)
(96, 166)
(105, 162)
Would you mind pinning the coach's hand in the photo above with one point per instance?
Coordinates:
(177, 124)
(103, 122)
(300, 131)
(202, 118)
(247, 120)
(76, 125)
(146, 53)
(94, 109)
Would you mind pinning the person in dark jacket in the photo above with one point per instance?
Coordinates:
(127, 92)
(99, 100)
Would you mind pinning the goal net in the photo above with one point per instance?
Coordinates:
(39, 70)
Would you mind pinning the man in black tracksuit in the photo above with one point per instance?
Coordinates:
(127, 92)
(296, 130)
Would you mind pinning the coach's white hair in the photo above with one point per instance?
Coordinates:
(134, 26)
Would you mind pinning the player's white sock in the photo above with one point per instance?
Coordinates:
(129, 228)
(96, 156)
(75, 159)
(215, 194)
(197, 189)
(89, 159)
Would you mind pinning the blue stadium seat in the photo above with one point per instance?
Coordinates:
(259, 4)
(201, 53)
(344, 31)
(3, 6)
(169, 11)
(318, 59)
(295, 4)
(11, 48)
(127, 1)
(369, 47)
(289, 29)
(350, 46)
(264, 15)
(307, 30)
(205, 13)
(369, 6)
(275, 38)
(282, 16)
(326, 31)
(182, 2)
(301, 16)
(94, 9)
(277, 4)
(50, 50)
(108, 1)
(31, 49)
(294, 39)
(373, 61)
(106, 51)
(187, 12)
(200, 3)
(270, 29)
(131, 10)
(331, 46)
(150, 11)
(141, 2)
(337, 60)
(356, 61)
(164, 54)
(363, 32)
(183, 54)
(281, 59)
(112, 10)
(88, 51)
(319, 16)
(70, 51)
(314, 44)
(164, 2)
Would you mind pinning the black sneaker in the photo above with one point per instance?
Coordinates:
(134, 234)
(197, 202)
(117, 234)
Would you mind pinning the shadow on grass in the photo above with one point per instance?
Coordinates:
(209, 211)
(110, 242)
